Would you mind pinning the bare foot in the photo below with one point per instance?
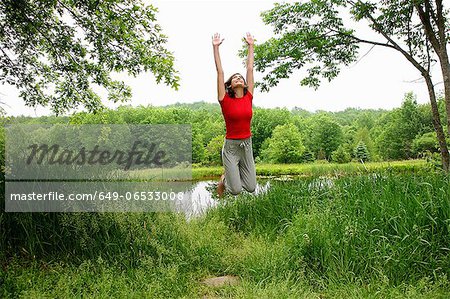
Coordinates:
(221, 186)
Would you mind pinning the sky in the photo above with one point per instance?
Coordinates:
(379, 79)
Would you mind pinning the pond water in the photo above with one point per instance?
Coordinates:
(203, 195)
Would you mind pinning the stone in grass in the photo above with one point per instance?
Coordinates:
(220, 281)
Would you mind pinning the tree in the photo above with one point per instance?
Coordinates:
(55, 51)
(350, 135)
(324, 135)
(363, 135)
(285, 145)
(308, 156)
(214, 150)
(400, 128)
(263, 123)
(312, 35)
(361, 152)
(341, 155)
(424, 143)
(198, 150)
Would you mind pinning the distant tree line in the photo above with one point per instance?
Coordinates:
(289, 136)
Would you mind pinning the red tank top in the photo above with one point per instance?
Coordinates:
(237, 113)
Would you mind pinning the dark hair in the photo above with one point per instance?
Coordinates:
(230, 90)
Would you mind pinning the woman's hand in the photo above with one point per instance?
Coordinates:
(249, 39)
(250, 61)
(216, 41)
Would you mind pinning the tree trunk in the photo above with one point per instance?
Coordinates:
(445, 67)
(439, 43)
(443, 57)
(438, 126)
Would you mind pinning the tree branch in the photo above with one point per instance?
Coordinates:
(367, 53)
(58, 56)
(45, 37)
(424, 18)
(74, 15)
(429, 11)
(440, 22)
(396, 46)
(363, 40)
(387, 45)
(11, 62)
(411, 11)
(428, 56)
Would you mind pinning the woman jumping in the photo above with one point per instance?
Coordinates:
(235, 97)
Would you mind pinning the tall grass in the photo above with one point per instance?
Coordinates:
(357, 228)
(376, 235)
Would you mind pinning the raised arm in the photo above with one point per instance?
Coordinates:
(216, 42)
(250, 60)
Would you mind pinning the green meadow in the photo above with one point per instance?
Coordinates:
(318, 168)
(333, 232)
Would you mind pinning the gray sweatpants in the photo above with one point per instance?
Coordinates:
(240, 171)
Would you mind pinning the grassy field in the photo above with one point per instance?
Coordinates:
(318, 168)
(262, 170)
(379, 234)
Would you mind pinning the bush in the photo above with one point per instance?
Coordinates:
(308, 157)
(341, 155)
(426, 142)
(214, 150)
(285, 145)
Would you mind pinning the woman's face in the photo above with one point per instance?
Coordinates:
(237, 81)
